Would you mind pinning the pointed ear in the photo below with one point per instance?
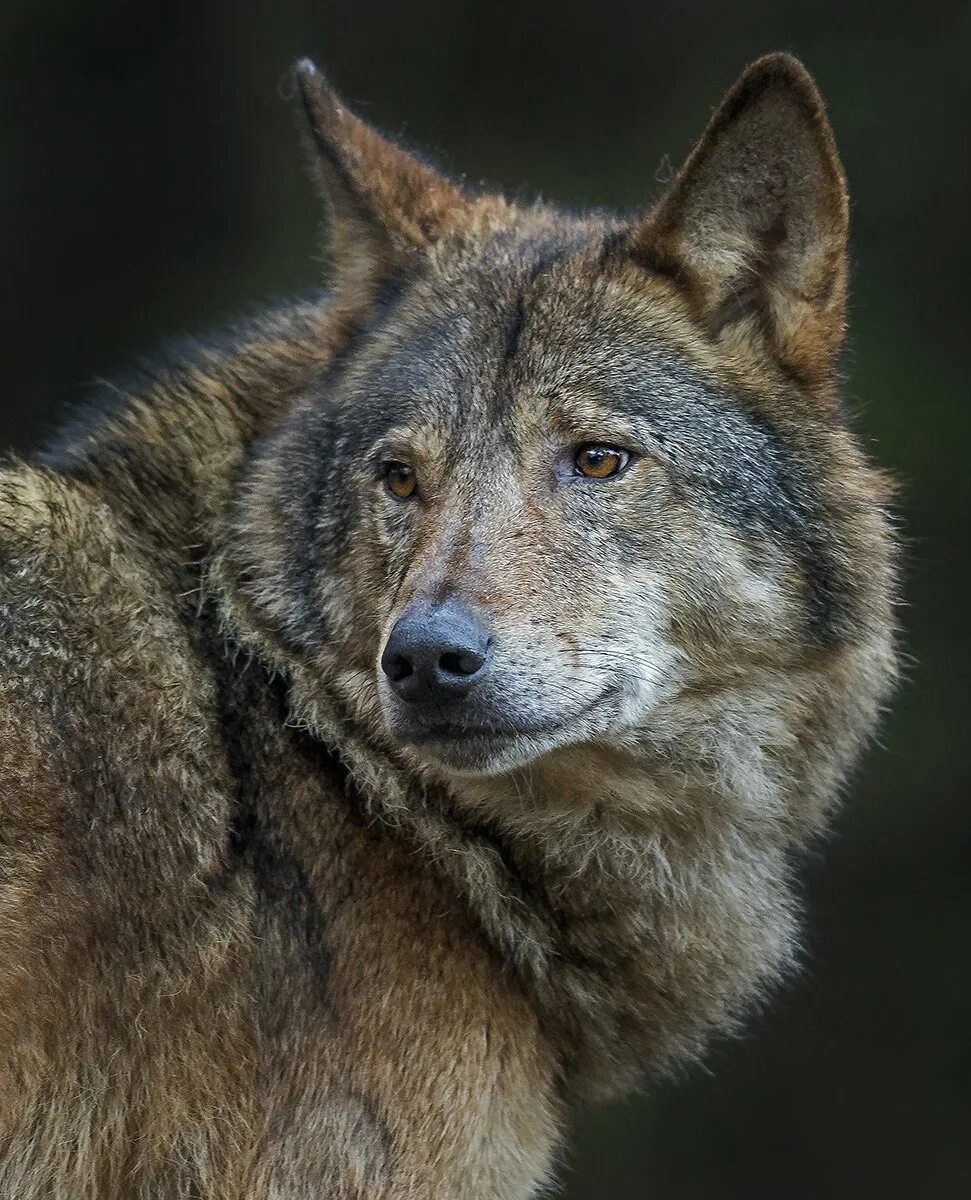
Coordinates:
(754, 225)
(384, 205)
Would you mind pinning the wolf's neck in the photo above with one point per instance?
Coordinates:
(641, 910)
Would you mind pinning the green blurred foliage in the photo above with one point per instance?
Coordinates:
(150, 184)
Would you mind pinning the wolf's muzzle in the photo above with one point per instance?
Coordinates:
(436, 653)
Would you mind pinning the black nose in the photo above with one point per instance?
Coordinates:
(436, 652)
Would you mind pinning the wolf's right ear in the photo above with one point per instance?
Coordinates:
(384, 205)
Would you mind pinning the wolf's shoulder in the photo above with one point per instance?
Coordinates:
(53, 531)
(84, 614)
(49, 526)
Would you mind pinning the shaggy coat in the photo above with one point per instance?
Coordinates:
(268, 931)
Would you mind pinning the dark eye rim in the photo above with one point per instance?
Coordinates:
(392, 464)
(626, 457)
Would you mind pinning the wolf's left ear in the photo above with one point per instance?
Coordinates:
(754, 225)
(384, 205)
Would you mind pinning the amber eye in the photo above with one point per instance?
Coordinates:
(401, 479)
(600, 462)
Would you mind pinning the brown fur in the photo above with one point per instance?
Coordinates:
(256, 940)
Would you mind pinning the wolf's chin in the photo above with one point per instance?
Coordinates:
(481, 755)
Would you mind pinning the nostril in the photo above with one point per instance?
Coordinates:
(397, 667)
(461, 662)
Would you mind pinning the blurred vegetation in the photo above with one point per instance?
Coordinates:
(150, 184)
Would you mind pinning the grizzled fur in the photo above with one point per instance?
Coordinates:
(262, 935)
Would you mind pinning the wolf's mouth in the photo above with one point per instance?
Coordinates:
(470, 731)
(449, 732)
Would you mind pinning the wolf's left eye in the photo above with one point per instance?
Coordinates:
(400, 479)
(600, 462)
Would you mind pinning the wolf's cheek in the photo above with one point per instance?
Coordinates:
(647, 666)
(734, 600)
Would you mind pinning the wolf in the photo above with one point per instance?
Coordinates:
(413, 702)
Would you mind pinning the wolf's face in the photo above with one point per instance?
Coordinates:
(566, 476)
(518, 527)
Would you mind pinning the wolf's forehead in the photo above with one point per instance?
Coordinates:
(478, 341)
(501, 346)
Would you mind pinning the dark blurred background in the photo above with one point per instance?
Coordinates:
(151, 185)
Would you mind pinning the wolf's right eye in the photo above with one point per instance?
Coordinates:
(601, 462)
(400, 479)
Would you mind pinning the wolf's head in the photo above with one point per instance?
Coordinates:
(582, 480)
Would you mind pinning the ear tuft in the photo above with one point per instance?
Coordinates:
(754, 226)
(320, 104)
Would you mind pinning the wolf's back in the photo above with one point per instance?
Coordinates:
(113, 810)
(124, 944)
